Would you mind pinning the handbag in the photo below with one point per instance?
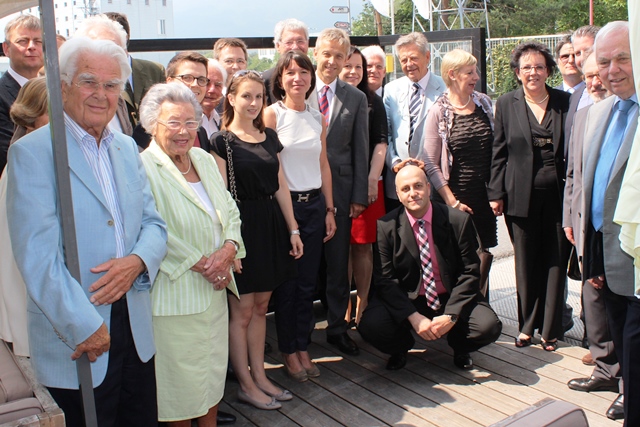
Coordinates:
(573, 269)
(231, 176)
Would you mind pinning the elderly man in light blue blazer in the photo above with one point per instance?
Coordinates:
(406, 118)
(121, 241)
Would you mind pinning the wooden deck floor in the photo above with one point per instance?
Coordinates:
(430, 391)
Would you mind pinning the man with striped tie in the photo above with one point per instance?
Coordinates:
(407, 101)
(344, 109)
(426, 276)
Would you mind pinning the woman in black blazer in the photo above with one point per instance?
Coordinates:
(527, 181)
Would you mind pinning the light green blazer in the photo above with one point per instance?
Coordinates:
(177, 289)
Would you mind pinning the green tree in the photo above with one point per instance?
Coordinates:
(364, 24)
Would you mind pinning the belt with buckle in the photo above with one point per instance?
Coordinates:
(304, 196)
(541, 142)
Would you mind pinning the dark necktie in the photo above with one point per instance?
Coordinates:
(428, 279)
(414, 110)
(608, 154)
(324, 104)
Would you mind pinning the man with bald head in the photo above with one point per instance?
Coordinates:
(426, 277)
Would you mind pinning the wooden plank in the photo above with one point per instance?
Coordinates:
(241, 421)
(256, 416)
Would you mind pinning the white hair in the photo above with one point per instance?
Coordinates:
(93, 24)
(217, 65)
(174, 92)
(613, 26)
(374, 51)
(291, 24)
(71, 51)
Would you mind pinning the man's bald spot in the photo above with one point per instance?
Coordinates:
(411, 171)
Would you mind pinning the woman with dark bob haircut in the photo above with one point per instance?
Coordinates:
(527, 185)
(302, 132)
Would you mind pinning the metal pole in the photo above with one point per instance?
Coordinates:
(590, 12)
(63, 181)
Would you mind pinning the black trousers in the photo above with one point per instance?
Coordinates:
(336, 255)
(294, 298)
(127, 396)
(541, 255)
(381, 330)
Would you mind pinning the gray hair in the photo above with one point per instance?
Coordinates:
(416, 38)
(585, 31)
(335, 34)
(160, 93)
(374, 50)
(71, 51)
(611, 27)
(93, 24)
(291, 24)
(29, 22)
(218, 66)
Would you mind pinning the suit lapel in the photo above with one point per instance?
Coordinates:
(520, 108)
(123, 116)
(337, 103)
(312, 101)
(139, 79)
(440, 231)
(407, 238)
(557, 122)
(625, 148)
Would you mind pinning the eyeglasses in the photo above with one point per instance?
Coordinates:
(177, 125)
(528, 69)
(291, 43)
(565, 57)
(188, 79)
(91, 86)
(245, 72)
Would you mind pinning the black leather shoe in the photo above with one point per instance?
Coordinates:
(397, 361)
(463, 361)
(616, 410)
(593, 384)
(344, 344)
(225, 418)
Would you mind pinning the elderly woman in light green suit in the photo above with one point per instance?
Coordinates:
(189, 295)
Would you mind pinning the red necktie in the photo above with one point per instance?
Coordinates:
(324, 104)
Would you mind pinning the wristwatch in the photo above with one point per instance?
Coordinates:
(453, 317)
(334, 210)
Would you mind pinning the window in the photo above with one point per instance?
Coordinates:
(66, 18)
(146, 2)
(164, 2)
(67, 32)
(65, 4)
(128, 1)
(162, 27)
(55, 6)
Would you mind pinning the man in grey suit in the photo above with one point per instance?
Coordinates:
(23, 46)
(606, 373)
(611, 128)
(407, 101)
(344, 109)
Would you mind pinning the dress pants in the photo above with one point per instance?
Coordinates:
(336, 255)
(541, 255)
(600, 343)
(377, 327)
(127, 396)
(294, 298)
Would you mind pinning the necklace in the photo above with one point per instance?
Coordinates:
(460, 107)
(188, 170)
(536, 102)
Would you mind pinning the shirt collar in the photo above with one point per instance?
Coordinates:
(83, 137)
(423, 82)
(428, 216)
(633, 97)
(17, 77)
(320, 84)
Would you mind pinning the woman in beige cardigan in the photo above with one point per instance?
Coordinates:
(189, 295)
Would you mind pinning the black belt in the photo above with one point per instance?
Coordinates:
(541, 142)
(304, 196)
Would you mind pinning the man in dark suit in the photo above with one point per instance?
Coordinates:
(566, 60)
(144, 74)
(611, 126)
(23, 47)
(290, 34)
(345, 111)
(433, 292)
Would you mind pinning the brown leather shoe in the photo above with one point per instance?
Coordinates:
(587, 359)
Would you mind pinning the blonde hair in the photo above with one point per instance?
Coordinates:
(453, 61)
(335, 34)
(31, 103)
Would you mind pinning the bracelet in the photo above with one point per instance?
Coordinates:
(295, 232)
(334, 211)
(234, 243)
(456, 204)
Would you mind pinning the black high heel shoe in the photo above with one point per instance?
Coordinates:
(522, 342)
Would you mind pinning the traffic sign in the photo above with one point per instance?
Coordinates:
(343, 25)
(339, 9)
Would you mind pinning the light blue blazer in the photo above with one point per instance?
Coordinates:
(397, 95)
(60, 315)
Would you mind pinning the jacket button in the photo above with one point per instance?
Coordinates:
(110, 223)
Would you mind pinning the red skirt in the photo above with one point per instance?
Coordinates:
(363, 228)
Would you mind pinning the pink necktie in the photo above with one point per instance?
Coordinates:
(428, 279)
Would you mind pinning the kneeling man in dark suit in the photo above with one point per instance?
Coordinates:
(426, 277)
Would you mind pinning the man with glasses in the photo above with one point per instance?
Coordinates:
(290, 34)
(566, 60)
(121, 241)
(23, 46)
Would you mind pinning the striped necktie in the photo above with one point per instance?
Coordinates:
(414, 110)
(428, 279)
(324, 104)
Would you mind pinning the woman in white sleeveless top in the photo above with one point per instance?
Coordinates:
(302, 132)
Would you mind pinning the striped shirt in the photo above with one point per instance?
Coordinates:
(99, 161)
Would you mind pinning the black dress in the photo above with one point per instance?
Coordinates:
(264, 230)
(470, 143)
